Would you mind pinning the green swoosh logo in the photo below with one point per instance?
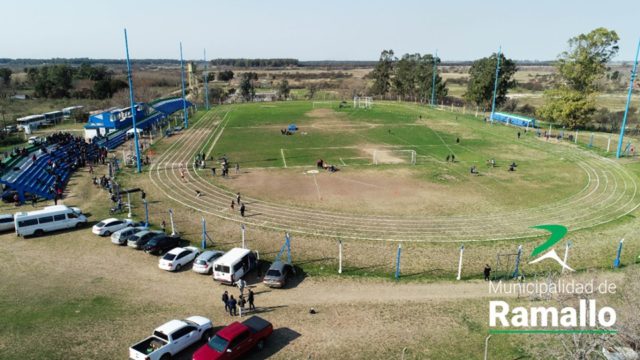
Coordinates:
(557, 233)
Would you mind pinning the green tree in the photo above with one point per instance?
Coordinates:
(382, 72)
(586, 59)
(247, 89)
(5, 75)
(283, 89)
(413, 78)
(572, 101)
(225, 75)
(482, 77)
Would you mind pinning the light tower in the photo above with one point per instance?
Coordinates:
(495, 84)
(634, 72)
(133, 104)
(184, 97)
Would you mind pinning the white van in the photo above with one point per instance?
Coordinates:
(6, 222)
(51, 218)
(233, 265)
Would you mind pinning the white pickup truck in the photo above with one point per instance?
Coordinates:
(171, 338)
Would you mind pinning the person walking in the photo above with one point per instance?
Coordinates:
(241, 303)
(487, 272)
(164, 226)
(225, 301)
(250, 300)
(241, 284)
(233, 204)
(242, 209)
(237, 168)
(238, 198)
(143, 195)
(233, 310)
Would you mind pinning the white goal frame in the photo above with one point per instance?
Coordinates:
(362, 102)
(411, 152)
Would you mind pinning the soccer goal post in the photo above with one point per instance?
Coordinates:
(395, 156)
(321, 104)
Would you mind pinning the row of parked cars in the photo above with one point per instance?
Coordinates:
(224, 267)
(233, 341)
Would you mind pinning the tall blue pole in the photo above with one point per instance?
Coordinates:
(133, 103)
(398, 261)
(184, 97)
(626, 109)
(495, 84)
(206, 82)
(433, 81)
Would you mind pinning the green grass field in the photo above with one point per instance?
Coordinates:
(347, 138)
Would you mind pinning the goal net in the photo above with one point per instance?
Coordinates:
(395, 156)
(362, 102)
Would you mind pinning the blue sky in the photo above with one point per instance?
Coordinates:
(318, 30)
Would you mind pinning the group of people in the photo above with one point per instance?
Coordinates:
(321, 164)
(240, 204)
(451, 158)
(231, 304)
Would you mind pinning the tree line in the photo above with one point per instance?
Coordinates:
(570, 102)
(56, 81)
(255, 62)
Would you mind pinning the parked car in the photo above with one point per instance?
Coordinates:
(140, 239)
(233, 265)
(204, 263)
(109, 226)
(235, 340)
(7, 222)
(34, 140)
(161, 243)
(178, 257)
(171, 338)
(121, 236)
(277, 274)
(51, 218)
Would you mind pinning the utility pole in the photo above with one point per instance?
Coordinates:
(626, 109)
(495, 84)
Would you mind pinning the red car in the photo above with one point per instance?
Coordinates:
(236, 340)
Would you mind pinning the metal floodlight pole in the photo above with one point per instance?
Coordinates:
(184, 97)
(133, 103)
(495, 84)
(626, 109)
(433, 80)
(206, 82)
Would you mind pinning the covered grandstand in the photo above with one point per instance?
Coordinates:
(43, 170)
(109, 128)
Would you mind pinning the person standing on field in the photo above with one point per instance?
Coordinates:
(242, 209)
(238, 198)
(487, 272)
(233, 310)
(250, 300)
(225, 300)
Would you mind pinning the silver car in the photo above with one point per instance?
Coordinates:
(203, 264)
(140, 239)
(277, 274)
(121, 236)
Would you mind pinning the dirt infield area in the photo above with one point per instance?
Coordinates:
(394, 191)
